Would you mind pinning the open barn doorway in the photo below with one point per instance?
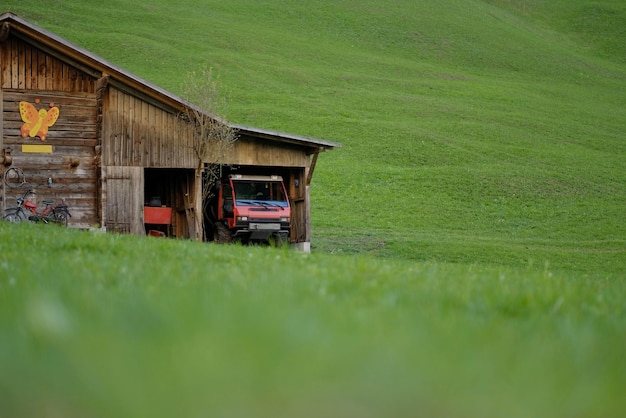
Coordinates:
(168, 202)
(293, 178)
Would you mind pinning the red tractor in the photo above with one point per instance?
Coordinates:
(252, 209)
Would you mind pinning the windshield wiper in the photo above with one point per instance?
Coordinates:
(265, 204)
(259, 203)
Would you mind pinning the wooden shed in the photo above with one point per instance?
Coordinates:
(77, 127)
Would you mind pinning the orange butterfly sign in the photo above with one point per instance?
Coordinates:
(37, 122)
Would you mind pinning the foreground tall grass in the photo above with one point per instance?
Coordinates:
(102, 325)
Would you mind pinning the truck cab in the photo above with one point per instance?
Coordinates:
(253, 208)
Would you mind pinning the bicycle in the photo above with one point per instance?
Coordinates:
(27, 210)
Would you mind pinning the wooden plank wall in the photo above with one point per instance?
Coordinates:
(255, 152)
(123, 206)
(70, 166)
(26, 67)
(137, 133)
(28, 74)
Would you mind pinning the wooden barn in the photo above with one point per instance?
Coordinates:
(77, 127)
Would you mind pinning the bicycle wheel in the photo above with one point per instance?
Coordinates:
(60, 218)
(13, 215)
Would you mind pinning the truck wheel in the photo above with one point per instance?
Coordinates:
(279, 240)
(222, 234)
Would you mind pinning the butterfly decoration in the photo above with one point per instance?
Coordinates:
(37, 122)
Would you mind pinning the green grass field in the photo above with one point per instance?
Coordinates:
(469, 238)
(105, 325)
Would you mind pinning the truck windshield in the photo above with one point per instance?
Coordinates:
(260, 193)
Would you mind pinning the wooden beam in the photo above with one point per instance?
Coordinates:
(101, 90)
(309, 176)
(4, 31)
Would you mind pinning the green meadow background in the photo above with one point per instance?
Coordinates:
(469, 237)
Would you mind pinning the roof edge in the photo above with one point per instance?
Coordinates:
(312, 142)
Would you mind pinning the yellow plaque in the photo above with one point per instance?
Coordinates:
(43, 149)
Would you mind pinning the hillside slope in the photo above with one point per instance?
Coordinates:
(475, 131)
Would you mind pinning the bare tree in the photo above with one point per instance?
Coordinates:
(213, 137)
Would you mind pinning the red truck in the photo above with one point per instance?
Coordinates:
(253, 209)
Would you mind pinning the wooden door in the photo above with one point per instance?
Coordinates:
(123, 208)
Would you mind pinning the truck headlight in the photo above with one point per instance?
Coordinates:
(242, 218)
(284, 219)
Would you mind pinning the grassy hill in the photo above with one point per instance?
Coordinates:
(478, 205)
(491, 134)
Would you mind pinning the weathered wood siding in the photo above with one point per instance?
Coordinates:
(70, 166)
(298, 195)
(255, 152)
(137, 133)
(27, 67)
(123, 205)
(30, 75)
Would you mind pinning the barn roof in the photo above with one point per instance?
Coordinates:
(121, 78)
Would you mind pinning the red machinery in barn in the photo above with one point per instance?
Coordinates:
(252, 208)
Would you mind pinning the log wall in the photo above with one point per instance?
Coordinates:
(61, 167)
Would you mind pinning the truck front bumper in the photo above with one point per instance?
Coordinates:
(258, 231)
